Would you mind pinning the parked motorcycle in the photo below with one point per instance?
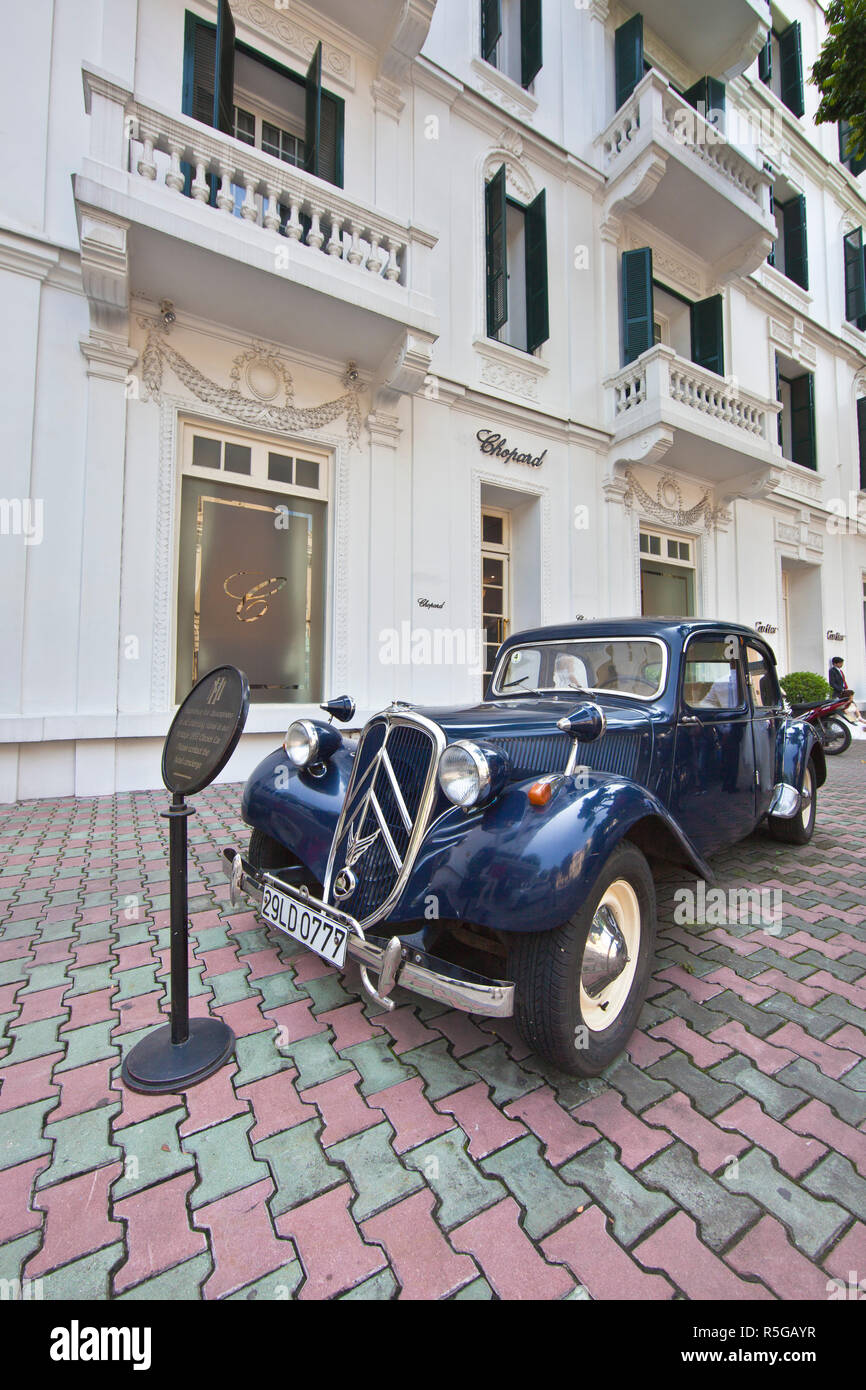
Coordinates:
(832, 729)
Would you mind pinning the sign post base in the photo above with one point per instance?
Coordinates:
(156, 1064)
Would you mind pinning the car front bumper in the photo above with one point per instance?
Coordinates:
(395, 962)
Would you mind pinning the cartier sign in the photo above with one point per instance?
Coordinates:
(497, 444)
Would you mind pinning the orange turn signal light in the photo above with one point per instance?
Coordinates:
(540, 792)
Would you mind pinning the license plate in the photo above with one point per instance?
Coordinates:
(307, 924)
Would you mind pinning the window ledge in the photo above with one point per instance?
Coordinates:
(504, 89)
(779, 284)
(855, 337)
(508, 369)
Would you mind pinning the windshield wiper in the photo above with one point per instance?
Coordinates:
(508, 684)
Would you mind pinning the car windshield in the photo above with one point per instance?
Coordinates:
(634, 666)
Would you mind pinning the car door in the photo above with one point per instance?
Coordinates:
(713, 788)
(767, 719)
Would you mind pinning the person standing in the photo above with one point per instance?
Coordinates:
(839, 686)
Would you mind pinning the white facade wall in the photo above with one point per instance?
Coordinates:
(88, 248)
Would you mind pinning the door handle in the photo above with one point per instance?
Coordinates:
(689, 719)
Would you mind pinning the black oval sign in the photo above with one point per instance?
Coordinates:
(205, 731)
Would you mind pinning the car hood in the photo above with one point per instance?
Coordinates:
(517, 718)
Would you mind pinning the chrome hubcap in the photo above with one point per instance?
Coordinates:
(610, 956)
(606, 954)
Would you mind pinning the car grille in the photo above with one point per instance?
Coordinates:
(384, 815)
(545, 753)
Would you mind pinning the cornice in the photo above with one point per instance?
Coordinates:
(27, 256)
(775, 307)
(547, 154)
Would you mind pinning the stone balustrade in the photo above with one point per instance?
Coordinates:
(660, 378)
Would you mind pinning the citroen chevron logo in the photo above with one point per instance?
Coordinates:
(366, 803)
(356, 847)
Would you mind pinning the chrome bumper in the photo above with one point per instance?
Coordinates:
(395, 963)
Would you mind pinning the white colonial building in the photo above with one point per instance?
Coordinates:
(340, 333)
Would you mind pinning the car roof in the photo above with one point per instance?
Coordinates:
(672, 629)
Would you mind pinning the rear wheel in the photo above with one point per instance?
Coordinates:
(798, 830)
(837, 736)
(580, 988)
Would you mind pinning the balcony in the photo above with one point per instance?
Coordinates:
(661, 156)
(248, 238)
(394, 29)
(662, 406)
(719, 37)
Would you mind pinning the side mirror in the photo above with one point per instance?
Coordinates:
(587, 722)
(342, 708)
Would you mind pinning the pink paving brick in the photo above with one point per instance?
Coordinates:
(84, 1088)
(308, 966)
(343, 1110)
(703, 1052)
(506, 1029)
(832, 1061)
(130, 957)
(242, 1238)
(601, 1265)
(45, 1003)
(806, 942)
(93, 953)
(8, 1003)
(220, 962)
(854, 1039)
(482, 1122)
(850, 943)
(794, 1154)
(276, 1104)
(463, 1035)
(636, 1141)
(712, 1145)
(410, 1113)
(245, 1016)
(823, 980)
(699, 989)
(737, 984)
(849, 1257)
(818, 1119)
(421, 1257)
(142, 1011)
(676, 1250)
(329, 1245)
(212, 1101)
(90, 1008)
(263, 963)
(137, 1106)
(295, 1021)
(51, 952)
(406, 1029)
(769, 1059)
(350, 1025)
(741, 945)
(645, 1050)
(77, 1220)
(805, 994)
(16, 1191)
(766, 1253)
(158, 1234)
(696, 944)
(510, 1262)
(28, 1081)
(561, 1135)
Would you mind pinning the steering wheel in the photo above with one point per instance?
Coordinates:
(632, 682)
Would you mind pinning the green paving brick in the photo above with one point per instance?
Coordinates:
(782, 1006)
(849, 1105)
(279, 989)
(90, 978)
(707, 1095)
(257, 1057)
(141, 980)
(14, 1256)
(224, 1160)
(538, 1188)
(84, 1280)
(379, 1289)
(580, 1295)
(35, 1039)
(299, 1166)
(442, 1075)
(229, 987)
(836, 1177)
(507, 1080)
(838, 1008)
(633, 1208)
(278, 1286)
(328, 993)
(774, 960)
(81, 1142)
(21, 1132)
(181, 1284)
(774, 1096)
(570, 1091)
(151, 1152)
(813, 1224)
(377, 1065)
(815, 961)
(678, 1004)
(88, 1044)
(47, 977)
(638, 1088)
(315, 1060)
(719, 1214)
(89, 932)
(478, 1291)
(462, 1187)
(377, 1174)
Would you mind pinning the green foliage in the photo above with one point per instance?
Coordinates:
(840, 71)
(805, 687)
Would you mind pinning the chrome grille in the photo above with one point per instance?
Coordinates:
(385, 813)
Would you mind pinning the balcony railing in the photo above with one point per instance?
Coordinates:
(684, 394)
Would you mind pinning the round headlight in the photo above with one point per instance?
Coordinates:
(302, 743)
(464, 773)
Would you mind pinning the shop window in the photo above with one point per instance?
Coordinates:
(516, 269)
(511, 37)
(667, 574)
(495, 584)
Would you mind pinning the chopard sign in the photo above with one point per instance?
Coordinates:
(497, 445)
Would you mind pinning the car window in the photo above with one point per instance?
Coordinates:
(620, 666)
(522, 670)
(762, 680)
(711, 680)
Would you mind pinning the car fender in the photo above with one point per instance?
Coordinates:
(297, 809)
(799, 743)
(517, 867)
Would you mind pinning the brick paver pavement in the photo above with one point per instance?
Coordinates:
(422, 1154)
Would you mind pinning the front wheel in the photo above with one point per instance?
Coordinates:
(837, 736)
(580, 988)
(798, 830)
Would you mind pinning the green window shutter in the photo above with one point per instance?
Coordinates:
(861, 322)
(791, 69)
(224, 84)
(803, 420)
(708, 97)
(628, 55)
(637, 302)
(199, 68)
(771, 259)
(765, 60)
(497, 267)
(708, 335)
(854, 164)
(313, 114)
(796, 248)
(331, 140)
(537, 310)
(855, 275)
(530, 40)
(491, 27)
(778, 398)
(861, 435)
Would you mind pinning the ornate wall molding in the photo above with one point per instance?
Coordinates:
(667, 505)
(296, 39)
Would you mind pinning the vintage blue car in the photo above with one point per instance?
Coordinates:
(500, 858)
